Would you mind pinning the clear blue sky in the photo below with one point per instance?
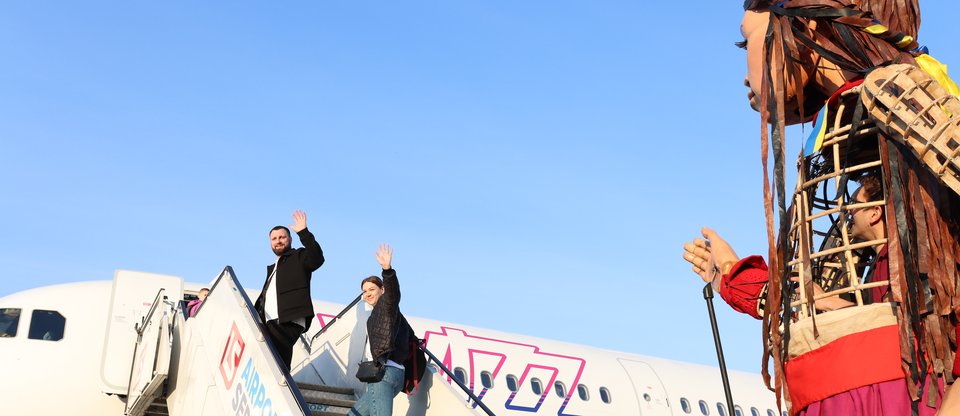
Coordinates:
(537, 165)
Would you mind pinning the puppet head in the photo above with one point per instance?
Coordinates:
(801, 51)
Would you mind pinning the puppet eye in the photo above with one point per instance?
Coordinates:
(741, 44)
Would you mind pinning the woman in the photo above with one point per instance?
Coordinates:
(391, 339)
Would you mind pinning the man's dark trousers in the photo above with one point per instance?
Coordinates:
(284, 336)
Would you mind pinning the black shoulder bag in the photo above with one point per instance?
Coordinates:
(370, 371)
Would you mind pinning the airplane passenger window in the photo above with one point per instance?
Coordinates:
(461, 374)
(584, 393)
(685, 405)
(537, 386)
(722, 409)
(737, 410)
(754, 411)
(560, 389)
(46, 325)
(486, 379)
(770, 412)
(512, 382)
(605, 395)
(9, 320)
(704, 409)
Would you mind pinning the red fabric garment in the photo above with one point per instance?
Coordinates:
(852, 361)
(881, 272)
(956, 359)
(741, 288)
(832, 101)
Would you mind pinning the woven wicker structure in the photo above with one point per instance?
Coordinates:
(823, 249)
(916, 110)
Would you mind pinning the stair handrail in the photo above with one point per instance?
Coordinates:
(132, 403)
(454, 377)
(335, 319)
(158, 300)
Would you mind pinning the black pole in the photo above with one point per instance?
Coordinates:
(455, 379)
(708, 296)
(335, 318)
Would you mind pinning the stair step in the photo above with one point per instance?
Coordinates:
(157, 408)
(333, 399)
(331, 389)
(325, 410)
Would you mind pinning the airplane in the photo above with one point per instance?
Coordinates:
(128, 347)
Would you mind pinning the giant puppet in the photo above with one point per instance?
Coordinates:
(859, 293)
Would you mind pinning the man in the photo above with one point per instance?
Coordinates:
(284, 304)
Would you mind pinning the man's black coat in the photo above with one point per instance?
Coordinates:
(295, 268)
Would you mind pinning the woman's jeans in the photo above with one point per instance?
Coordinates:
(378, 400)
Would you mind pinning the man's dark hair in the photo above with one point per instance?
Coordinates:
(871, 185)
(280, 227)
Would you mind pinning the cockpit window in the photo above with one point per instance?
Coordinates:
(9, 320)
(47, 325)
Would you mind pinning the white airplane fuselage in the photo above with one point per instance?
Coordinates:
(512, 374)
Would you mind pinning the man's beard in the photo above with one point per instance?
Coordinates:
(281, 250)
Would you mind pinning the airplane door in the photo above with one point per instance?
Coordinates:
(651, 396)
(132, 297)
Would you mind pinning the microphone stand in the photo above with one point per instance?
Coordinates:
(708, 296)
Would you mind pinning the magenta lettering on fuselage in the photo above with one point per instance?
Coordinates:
(480, 354)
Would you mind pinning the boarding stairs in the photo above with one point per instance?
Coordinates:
(326, 400)
(321, 400)
(220, 363)
(157, 408)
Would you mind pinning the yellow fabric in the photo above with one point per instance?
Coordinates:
(905, 41)
(938, 71)
(875, 29)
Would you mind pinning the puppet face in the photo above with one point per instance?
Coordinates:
(754, 27)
